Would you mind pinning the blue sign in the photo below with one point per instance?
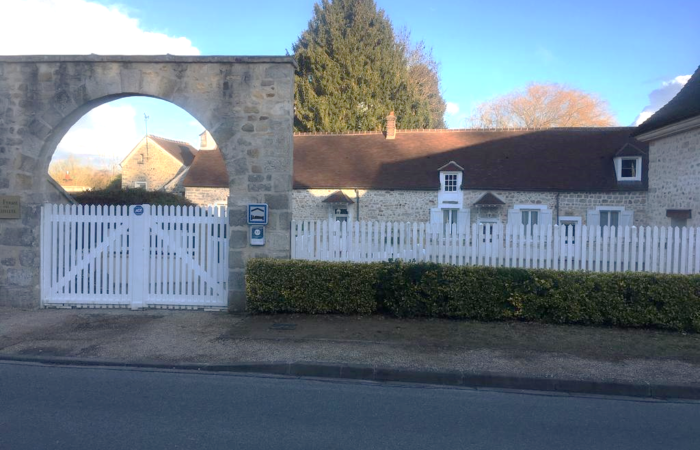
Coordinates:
(257, 214)
(257, 235)
(138, 210)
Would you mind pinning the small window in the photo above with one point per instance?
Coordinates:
(340, 214)
(450, 182)
(530, 218)
(449, 218)
(609, 218)
(141, 185)
(141, 159)
(629, 168)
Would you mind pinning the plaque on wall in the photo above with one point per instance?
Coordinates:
(9, 206)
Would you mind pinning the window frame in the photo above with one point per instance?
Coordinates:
(618, 168)
(576, 220)
(144, 183)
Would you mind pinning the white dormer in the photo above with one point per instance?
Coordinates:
(628, 163)
(628, 168)
(450, 195)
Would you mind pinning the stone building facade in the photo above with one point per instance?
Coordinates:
(154, 162)
(673, 136)
(574, 176)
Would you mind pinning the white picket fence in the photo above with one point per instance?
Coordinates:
(137, 256)
(598, 249)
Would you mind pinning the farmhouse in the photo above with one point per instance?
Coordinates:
(155, 163)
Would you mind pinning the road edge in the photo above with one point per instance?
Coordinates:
(389, 374)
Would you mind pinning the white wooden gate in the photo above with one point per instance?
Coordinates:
(137, 256)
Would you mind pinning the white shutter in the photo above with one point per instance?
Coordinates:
(436, 215)
(515, 217)
(545, 218)
(626, 218)
(463, 220)
(593, 218)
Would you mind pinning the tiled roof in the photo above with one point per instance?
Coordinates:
(182, 151)
(338, 197)
(685, 105)
(488, 199)
(555, 159)
(207, 170)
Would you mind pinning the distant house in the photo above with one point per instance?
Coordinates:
(673, 136)
(155, 163)
(206, 181)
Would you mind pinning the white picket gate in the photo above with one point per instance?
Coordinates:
(137, 256)
(598, 249)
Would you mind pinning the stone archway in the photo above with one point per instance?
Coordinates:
(245, 102)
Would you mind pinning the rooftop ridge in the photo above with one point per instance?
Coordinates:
(172, 140)
(450, 130)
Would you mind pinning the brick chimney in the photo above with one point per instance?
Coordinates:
(206, 142)
(391, 126)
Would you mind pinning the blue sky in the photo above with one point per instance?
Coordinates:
(623, 51)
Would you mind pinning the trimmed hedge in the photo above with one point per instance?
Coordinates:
(479, 293)
(130, 196)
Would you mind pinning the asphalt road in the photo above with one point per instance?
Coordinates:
(99, 408)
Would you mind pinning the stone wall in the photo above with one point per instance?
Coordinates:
(414, 206)
(245, 102)
(205, 196)
(674, 177)
(158, 167)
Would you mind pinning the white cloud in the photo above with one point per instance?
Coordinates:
(107, 133)
(79, 27)
(659, 97)
(452, 108)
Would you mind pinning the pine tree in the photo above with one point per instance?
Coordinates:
(353, 71)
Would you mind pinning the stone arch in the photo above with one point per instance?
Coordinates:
(245, 102)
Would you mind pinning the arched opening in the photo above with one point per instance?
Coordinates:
(143, 143)
(245, 102)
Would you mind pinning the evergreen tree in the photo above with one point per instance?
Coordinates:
(353, 71)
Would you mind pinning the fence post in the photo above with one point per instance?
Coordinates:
(139, 227)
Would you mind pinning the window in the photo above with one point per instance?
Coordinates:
(487, 226)
(340, 214)
(530, 218)
(571, 224)
(451, 182)
(609, 218)
(140, 161)
(449, 218)
(628, 168)
(141, 184)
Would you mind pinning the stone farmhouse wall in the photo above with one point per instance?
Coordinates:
(206, 196)
(158, 168)
(674, 176)
(414, 206)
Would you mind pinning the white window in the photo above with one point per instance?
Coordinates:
(340, 214)
(628, 168)
(450, 195)
(446, 217)
(141, 184)
(529, 216)
(571, 224)
(610, 216)
(487, 226)
(451, 182)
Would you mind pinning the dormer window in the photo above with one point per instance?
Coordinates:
(628, 168)
(450, 182)
(450, 195)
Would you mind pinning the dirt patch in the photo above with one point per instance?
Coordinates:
(517, 339)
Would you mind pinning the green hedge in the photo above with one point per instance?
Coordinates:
(479, 293)
(130, 196)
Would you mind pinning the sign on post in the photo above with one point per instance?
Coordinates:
(257, 214)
